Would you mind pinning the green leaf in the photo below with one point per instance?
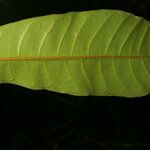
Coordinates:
(101, 53)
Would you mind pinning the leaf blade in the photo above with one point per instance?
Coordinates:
(94, 53)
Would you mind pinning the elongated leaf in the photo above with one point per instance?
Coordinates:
(103, 52)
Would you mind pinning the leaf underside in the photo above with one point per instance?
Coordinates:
(99, 53)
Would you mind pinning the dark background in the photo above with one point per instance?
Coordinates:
(44, 120)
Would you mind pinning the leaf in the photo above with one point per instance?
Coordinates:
(100, 53)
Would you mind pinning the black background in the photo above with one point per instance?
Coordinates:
(44, 120)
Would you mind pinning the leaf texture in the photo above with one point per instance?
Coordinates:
(100, 53)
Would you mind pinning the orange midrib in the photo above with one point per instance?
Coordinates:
(67, 57)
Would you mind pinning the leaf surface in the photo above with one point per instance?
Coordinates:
(100, 53)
